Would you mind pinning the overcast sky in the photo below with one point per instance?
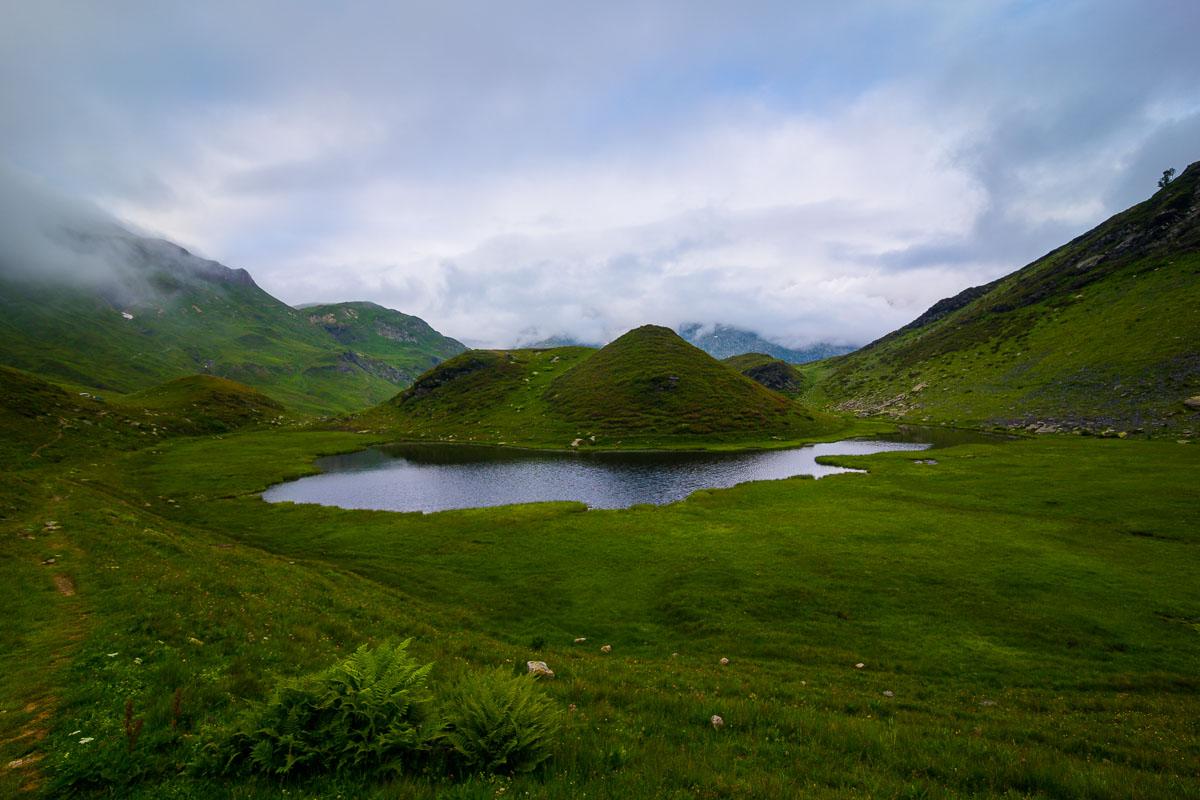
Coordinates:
(812, 171)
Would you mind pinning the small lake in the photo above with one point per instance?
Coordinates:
(433, 477)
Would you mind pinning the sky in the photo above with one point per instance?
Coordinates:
(511, 171)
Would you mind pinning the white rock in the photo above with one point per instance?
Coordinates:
(716, 721)
(606, 648)
(581, 640)
(724, 662)
(538, 669)
(859, 665)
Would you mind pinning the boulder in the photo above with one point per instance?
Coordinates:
(1193, 402)
(538, 669)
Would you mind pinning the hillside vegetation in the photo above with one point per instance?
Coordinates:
(164, 313)
(648, 387)
(43, 422)
(1099, 334)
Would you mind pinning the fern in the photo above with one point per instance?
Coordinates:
(500, 723)
(369, 712)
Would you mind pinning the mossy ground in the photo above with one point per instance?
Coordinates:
(1031, 606)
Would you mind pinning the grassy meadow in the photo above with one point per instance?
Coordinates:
(1026, 616)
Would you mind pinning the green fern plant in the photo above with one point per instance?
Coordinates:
(369, 712)
(499, 723)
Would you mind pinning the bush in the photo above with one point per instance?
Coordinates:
(499, 723)
(367, 713)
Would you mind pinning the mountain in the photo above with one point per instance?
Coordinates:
(652, 381)
(140, 311)
(723, 341)
(773, 373)
(394, 346)
(1098, 334)
(648, 386)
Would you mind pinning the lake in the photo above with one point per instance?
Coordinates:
(438, 477)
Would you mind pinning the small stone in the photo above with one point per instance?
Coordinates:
(538, 669)
(724, 662)
(581, 640)
(716, 721)
(859, 665)
(987, 703)
(195, 641)
(606, 648)
(889, 693)
(1193, 402)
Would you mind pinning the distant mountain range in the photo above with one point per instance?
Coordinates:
(723, 341)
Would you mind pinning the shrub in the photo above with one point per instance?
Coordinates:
(499, 723)
(369, 712)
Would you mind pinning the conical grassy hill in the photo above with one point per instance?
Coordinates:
(651, 382)
(647, 388)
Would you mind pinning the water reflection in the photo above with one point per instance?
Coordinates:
(431, 477)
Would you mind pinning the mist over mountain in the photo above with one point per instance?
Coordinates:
(723, 341)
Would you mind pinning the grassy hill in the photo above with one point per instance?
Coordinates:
(771, 372)
(647, 387)
(44, 422)
(165, 313)
(1098, 334)
(650, 382)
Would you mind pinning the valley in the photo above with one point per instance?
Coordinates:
(993, 618)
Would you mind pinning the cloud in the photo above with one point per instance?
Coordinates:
(506, 170)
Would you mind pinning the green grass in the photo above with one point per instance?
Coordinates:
(647, 388)
(1031, 606)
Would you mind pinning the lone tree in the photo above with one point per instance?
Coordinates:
(1166, 178)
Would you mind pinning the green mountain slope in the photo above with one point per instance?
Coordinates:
(394, 346)
(647, 387)
(161, 312)
(771, 372)
(1099, 334)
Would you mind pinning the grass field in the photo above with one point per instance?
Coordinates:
(1026, 614)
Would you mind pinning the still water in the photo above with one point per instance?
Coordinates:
(431, 477)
